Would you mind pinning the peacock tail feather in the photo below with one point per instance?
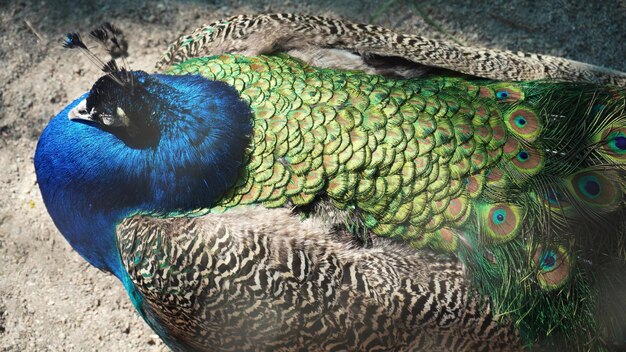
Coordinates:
(523, 181)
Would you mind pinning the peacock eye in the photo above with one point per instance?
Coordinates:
(499, 216)
(548, 260)
(501, 95)
(520, 121)
(617, 141)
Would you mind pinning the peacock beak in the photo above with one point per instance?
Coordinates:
(80, 112)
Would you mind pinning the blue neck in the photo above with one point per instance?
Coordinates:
(90, 180)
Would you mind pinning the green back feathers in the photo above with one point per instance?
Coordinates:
(397, 150)
(520, 180)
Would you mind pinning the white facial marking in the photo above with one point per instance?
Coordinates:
(123, 119)
(107, 120)
(80, 112)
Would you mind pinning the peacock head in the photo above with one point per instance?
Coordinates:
(138, 143)
(181, 139)
(119, 104)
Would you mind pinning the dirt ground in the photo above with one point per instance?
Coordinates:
(50, 298)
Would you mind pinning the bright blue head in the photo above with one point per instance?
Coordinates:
(162, 144)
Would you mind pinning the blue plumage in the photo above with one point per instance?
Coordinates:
(90, 179)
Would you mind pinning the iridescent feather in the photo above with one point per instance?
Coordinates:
(503, 192)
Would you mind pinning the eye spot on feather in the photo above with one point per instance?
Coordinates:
(595, 189)
(620, 142)
(508, 93)
(590, 186)
(503, 221)
(615, 145)
(523, 156)
(555, 200)
(524, 123)
(554, 197)
(499, 216)
(553, 267)
(528, 161)
(548, 260)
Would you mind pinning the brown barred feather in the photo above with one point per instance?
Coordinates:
(327, 42)
(273, 282)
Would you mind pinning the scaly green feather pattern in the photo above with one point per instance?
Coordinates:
(395, 149)
(518, 179)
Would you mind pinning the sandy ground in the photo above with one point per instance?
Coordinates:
(51, 299)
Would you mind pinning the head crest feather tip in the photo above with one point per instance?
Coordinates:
(73, 41)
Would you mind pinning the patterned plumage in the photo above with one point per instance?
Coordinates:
(284, 284)
(324, 41)
(260, 202)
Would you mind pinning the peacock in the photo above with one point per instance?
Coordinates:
(293, 182)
